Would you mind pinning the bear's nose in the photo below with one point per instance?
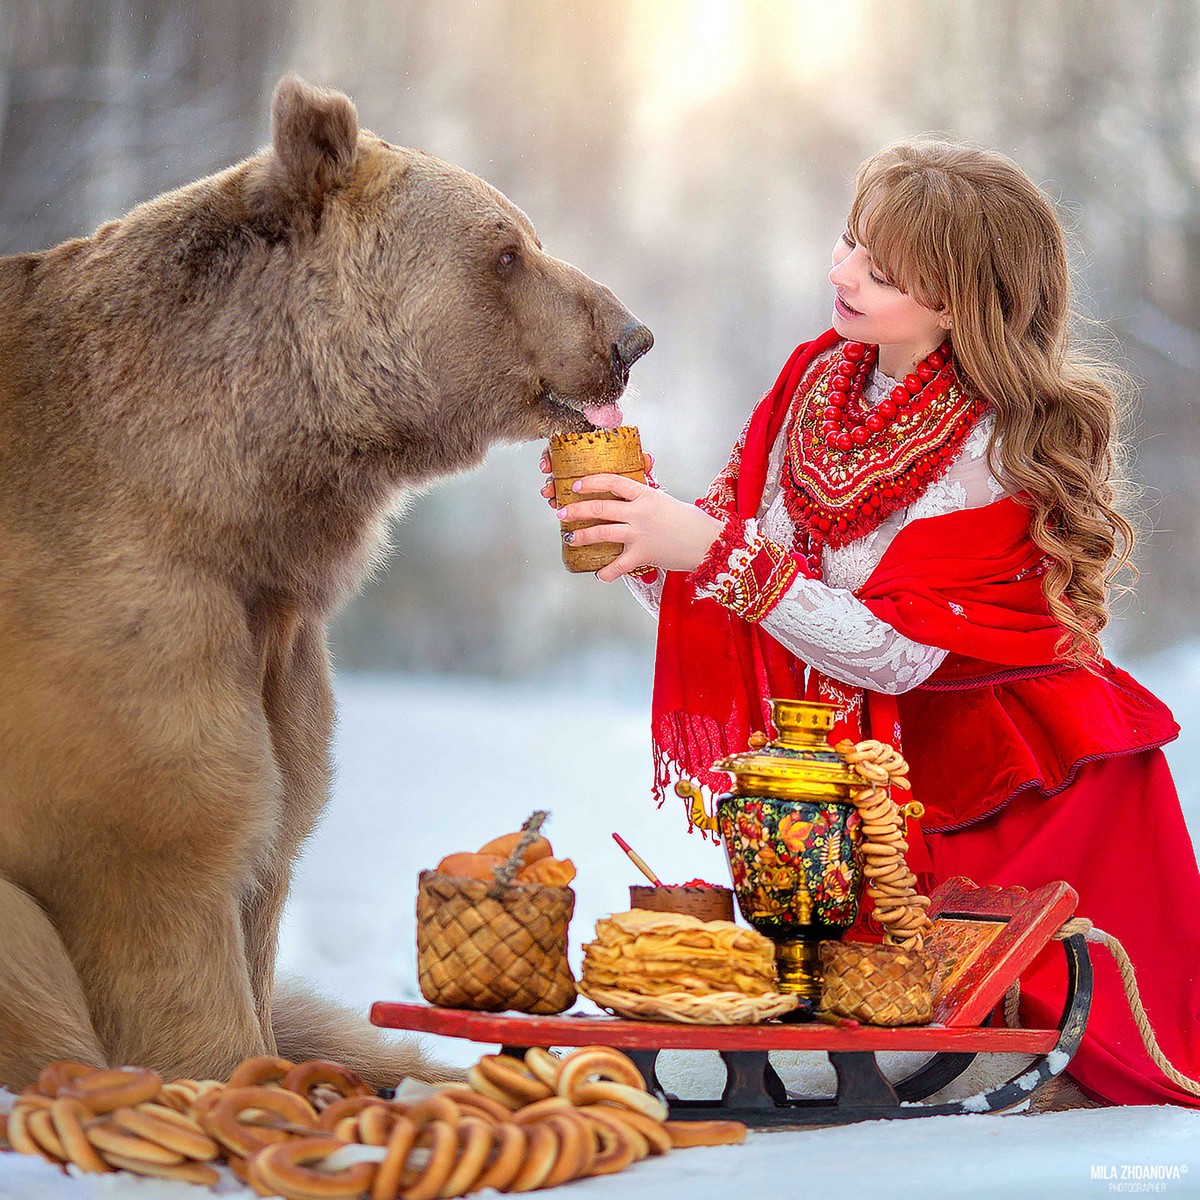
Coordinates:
(634, 340)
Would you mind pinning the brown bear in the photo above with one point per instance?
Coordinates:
(208, 410)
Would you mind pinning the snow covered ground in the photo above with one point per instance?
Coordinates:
(427, 766)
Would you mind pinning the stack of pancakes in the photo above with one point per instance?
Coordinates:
(677, 967)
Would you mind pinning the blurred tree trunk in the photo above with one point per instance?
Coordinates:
(105, 102)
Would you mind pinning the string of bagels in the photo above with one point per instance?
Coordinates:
(316, 1131)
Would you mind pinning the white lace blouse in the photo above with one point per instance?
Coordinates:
(821, 621)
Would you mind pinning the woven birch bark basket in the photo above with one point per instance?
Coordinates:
(491, 947)
(876, 984)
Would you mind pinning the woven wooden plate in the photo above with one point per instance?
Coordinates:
(718, 1008)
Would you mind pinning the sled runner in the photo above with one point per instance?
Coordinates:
(983, 937)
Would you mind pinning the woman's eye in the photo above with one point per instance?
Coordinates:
(847, 238)
(880, 280)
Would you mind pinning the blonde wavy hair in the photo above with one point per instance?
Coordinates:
(965, 230)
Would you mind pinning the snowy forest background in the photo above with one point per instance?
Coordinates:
(697, 157)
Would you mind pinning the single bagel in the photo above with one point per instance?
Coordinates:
(386, 1185)
(68, 1115)
(705, 1133)
(441, 1139)
(223, 1120)
(618, 1145)
(56, 1075)
(110, 1139)
(346, 1106)
(286, 1169)
(509, 1144)
(650, 1129)
(472, 1103)
(474, 1146)
(576, 1148)
(302, 1078)
(510, 1076)
(260, 1071)
(540, 1156)
(596, 1062)
(168, 1129)
(188, 1172)
(544, 1066)
(622, 1095)
(102, 1091)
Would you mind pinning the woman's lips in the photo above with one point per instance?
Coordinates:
(844, 310)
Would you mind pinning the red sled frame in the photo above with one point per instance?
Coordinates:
(983, 937)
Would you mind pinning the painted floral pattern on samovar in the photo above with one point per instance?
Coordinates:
(793, 863)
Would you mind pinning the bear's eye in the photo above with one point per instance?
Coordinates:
(507, 260)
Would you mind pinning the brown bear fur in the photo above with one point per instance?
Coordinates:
(207, 411)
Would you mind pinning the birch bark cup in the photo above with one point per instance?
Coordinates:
(598, 452)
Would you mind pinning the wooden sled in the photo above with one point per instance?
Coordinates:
(983, 937)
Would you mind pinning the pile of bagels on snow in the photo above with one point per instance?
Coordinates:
(316, 1131)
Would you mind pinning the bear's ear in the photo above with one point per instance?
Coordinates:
(314, 132)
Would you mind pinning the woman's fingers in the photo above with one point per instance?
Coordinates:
(618, 485)
(598, 533)
(595, 510)
(619, 566)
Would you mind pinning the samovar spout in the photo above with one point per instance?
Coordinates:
(696, 810)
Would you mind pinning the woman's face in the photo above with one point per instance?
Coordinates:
(869, 308)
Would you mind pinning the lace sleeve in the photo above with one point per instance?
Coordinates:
(830, 629)
(647, 589)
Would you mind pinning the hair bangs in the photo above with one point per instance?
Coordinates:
(900, 220)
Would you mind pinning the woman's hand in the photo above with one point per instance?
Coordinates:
(656, 529)
(548, 488)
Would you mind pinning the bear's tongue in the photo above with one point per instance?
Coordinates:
(603, 416)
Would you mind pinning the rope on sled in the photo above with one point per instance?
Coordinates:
(1128, 979)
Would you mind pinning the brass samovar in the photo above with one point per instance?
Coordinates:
(791, 832)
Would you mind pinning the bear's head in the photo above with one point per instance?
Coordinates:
(257, 365)
(455, 329)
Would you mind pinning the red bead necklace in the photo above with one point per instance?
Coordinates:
(847, 424)
(848, 468)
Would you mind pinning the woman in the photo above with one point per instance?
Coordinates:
(918, 525)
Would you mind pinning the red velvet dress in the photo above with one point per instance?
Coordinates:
(1030, 769)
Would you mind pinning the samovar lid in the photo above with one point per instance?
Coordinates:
(799, 762)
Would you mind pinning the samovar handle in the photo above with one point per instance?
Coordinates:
(913, 810)
(696, 810)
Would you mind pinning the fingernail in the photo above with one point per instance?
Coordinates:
(561, 514)
(569, 536)
(577, 486)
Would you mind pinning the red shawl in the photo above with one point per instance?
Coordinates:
(968, 582)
